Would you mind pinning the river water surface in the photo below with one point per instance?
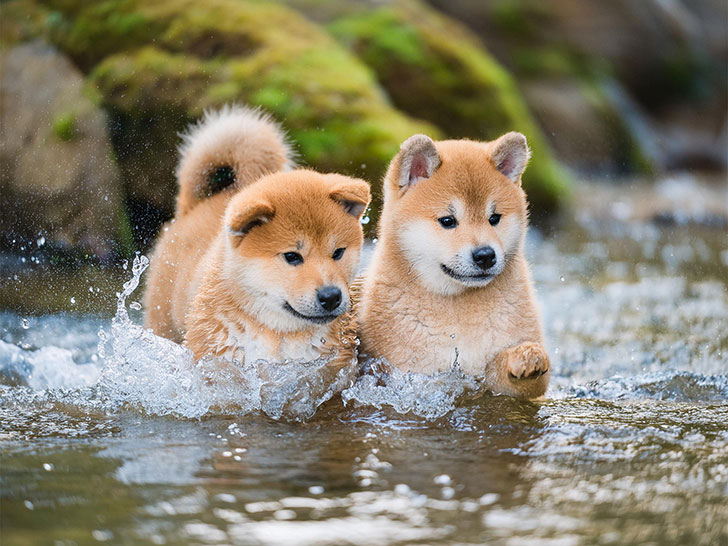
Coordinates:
(111, 435)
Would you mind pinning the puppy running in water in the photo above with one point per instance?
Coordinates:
(449, 282)
(258, 260)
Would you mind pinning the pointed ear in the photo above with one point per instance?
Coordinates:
(241, 220)
(417, 160)
(352, 194)
(510, 155)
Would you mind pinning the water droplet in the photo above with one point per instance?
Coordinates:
(25, 323)
(40, 242)
(28, 505)
(47, 467)
(561, 278)
(443, 479)
(73, 300)
(365, 220)
(402, 489)
(135, 305)
(316, 490)
(452, 336)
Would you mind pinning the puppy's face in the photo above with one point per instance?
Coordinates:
(293, 247)
(456, 209)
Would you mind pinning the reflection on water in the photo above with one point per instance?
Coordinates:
(134, 445)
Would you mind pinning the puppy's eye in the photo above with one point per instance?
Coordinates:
(448, 222)
(293, 258)
(494, 219)
(338, 253)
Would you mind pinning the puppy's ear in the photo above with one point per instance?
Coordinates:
(417, 160)
(352, 194)
(240, 221)
(510, 155)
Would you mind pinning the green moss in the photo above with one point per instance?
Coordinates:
(520, 18)
(90, 31)
(208, 54)
(436, 70)
(64, 126)
(125, 242)
(155, 66)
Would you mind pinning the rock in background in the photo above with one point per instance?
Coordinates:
(58, 177)
(618, 86)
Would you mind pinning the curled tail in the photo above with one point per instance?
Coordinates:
(228, 149)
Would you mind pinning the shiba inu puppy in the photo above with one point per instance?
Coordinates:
(449, 282)
(260, 267)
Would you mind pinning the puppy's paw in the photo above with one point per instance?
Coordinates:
(527, 361)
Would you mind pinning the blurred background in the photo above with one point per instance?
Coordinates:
(93, 94)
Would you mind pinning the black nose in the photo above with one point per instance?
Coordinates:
(329, 297)
(484, 257)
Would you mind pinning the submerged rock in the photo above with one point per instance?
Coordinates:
(57, 172)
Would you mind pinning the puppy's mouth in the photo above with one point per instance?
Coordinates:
(316, 319)
(467, 279)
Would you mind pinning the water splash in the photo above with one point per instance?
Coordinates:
(134, 369)
(428, 396)
(162, 378)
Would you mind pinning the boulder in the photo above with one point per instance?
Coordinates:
(436, 69)
(58, 178)
(172, 59)
(666, 58)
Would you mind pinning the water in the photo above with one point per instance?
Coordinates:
(123, 440)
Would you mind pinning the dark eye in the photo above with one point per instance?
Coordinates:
(338, 253)
(494, 219)
(448, 222)
(293, 258)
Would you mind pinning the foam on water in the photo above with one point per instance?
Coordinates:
(428, 396)
(133, 368)
(638, 313)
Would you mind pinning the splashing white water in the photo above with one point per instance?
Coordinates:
(157, 375)
(134, 369)
(428, 396)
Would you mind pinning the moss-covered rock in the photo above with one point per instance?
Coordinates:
(437, 70)
(155, 66)
(158, 65)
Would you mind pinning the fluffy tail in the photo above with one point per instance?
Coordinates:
(226, 150)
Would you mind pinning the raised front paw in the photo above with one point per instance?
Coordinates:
(527, 361)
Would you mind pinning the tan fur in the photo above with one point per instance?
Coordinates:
(239, 306)
(218, 279)
(420, 318)
(247, 140)
(244, 139)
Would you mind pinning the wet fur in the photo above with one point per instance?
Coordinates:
(218, 280)
(419, 318)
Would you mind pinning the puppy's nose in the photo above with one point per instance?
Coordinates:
(484, 257)
(329, 297)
